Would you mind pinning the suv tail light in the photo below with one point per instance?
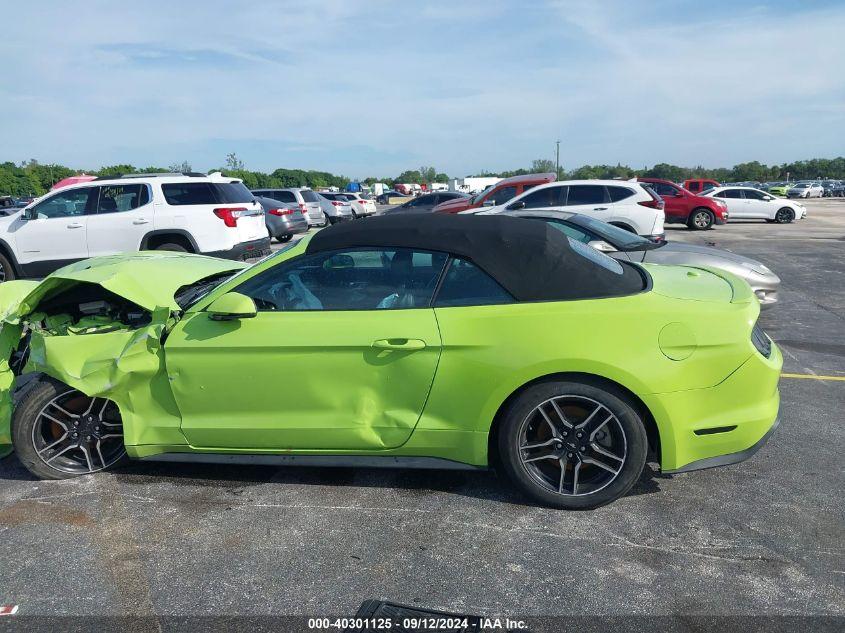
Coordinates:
(335, 203)
(656, 201)
(303, 207)
(230, 215)
(280, 212)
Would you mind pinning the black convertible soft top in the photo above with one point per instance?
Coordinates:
(531, 259)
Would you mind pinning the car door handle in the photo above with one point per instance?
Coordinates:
(399, 343)
(140, 221)
(74, 225)
(599, 208)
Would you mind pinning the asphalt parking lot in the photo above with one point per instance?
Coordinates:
(761, 537)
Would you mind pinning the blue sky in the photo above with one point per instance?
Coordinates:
(375, 87)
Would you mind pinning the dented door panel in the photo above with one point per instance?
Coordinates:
(303, 380)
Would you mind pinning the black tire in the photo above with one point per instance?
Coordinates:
(171, 246)
(624, 429)
(27, 429)
(784, 215)
(701, 220)
(284, 238)
(328, 221)
(7, 271)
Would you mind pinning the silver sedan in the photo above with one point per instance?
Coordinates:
(624, 245)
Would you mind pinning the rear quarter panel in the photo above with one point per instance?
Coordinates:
(489, 352)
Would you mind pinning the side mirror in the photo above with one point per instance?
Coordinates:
(29, 214)
(489, 203)
(767, 198)
(519, 204)
(601, 245)
(231, 306)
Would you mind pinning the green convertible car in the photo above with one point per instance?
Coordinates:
(408, 341)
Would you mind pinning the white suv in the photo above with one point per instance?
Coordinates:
(628, 205)
(212, 215)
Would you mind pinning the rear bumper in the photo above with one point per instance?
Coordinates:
(245, 250)
(723, 424)
(278, 226)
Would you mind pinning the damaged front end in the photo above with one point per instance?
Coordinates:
(99, 326)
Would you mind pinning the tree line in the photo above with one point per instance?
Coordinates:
(31, 178)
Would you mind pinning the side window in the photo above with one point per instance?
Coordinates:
(189, 193)
(465, 284)
(500, 196)
(620, 193)
(660, 188)
(284, 196)
(730, 193)
(114, 198)
(309, 196)
(66, 203)
(360, 279)
(586, 194)
(545, 198)
(753, 195)
(575, 233)
(527, 187)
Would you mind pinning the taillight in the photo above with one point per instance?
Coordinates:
(653, 203)
(230, 215)
(303, 207)
(336, 203)
(280, 212)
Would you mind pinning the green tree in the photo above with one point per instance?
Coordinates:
(233, 162)
(180, 168)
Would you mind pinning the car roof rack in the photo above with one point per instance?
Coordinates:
(173, 174)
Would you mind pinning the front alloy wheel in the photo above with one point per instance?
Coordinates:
(701, 220)
(59, 432)
(573, 445)
(784, 215)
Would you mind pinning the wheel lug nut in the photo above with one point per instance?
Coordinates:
(579, 434)
(569, 454)
(565, 433)
(583, 449)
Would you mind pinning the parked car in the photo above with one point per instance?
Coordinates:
(283, 219)
(629, 205)
(496, 194)
(828, 186)
(746, 203)
(212, 215)
(459, 353)
(335, 207)
(779, 189)
(697, 185)
(838, 189)
(805, 190)
(684, 207)
(624, 245)
(427, 202)
(307, 200)
(386, 197)
(362, 204)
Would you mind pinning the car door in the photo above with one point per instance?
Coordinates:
(551, 197)
(676, 207)
(122, 215)
(340, 356)
(737, 207)
(57, 233)
(591, 200)
(759, 204)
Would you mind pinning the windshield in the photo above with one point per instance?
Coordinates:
(620, 238)
(480, 196)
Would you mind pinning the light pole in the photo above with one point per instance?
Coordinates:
(557, 159)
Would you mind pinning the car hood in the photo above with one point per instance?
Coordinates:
(148, 279)
(695, 254)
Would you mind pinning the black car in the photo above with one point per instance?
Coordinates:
(425, 203)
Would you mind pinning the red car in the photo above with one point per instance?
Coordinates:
(684, 207)
(697, 185)
(499, 193)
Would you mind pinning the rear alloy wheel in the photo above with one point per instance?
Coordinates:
(784, 215)
(701, 219)
(7, 272)
(573, 445)
(59, 432)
